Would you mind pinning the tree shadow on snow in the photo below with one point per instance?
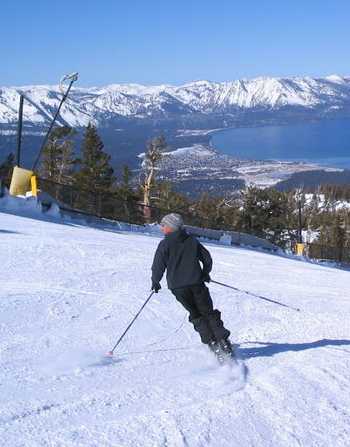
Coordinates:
(271, 349)
(8, 232)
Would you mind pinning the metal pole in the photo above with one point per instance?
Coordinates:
(52, 123)
(19, 130)
(110, 353)
(256, 296)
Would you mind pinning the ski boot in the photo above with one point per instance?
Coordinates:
(213, 346)
(226, 346)
(227, 350)
(217, 350)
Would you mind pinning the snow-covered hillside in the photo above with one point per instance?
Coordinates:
(204, 97)
(67, 293)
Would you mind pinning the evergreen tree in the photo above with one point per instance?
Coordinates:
(231, 215)
(6, 169)
(95, 174)
(58, 160)
(254, 216)
(128, 199)
(209, 211)
(268, 213)
(338, 236)
(170, 200)
(124, 190)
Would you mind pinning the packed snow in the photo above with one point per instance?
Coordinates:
(69, 291)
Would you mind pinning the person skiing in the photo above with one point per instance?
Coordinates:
(181, 255)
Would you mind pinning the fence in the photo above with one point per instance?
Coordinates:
(111, 205)
(338, 254)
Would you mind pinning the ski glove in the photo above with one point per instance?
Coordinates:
(156, 287)
(206, 277)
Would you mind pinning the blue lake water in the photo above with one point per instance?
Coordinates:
(325, 142)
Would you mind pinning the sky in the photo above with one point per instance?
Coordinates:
(156, 42)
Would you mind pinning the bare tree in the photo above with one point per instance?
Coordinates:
(154, 154)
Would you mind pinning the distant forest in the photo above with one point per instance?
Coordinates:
(311, 180)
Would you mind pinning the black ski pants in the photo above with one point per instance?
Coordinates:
(205, 319)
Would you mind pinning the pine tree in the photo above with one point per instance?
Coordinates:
(124, 190)
(58, 160)
(231, 214)
(253, 218)
(95, 174)
(95, 177)
(170, 200)
(268, 213)
(209, 211)
(127, 207)
(338, 236)
(6, 169)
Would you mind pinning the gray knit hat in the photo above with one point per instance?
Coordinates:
(173, 221)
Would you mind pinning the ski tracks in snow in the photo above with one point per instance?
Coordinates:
(67, 294)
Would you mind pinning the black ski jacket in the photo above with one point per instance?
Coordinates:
(180, 253)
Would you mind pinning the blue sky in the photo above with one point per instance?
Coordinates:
(111, 41)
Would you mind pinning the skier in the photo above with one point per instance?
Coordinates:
(181, 254)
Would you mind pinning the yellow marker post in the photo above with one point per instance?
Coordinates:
(300, 249)
(34, 185)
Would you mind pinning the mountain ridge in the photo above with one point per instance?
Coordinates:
(136, 101)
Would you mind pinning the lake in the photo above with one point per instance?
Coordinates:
(325, 142)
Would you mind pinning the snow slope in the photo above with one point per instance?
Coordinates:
(139, 101)
(68, 292)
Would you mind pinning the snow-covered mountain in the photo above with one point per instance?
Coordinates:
(324, 95)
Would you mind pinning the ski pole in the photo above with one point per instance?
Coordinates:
(110, 353)
(256, 296)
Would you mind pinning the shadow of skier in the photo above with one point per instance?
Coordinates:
(271, 349)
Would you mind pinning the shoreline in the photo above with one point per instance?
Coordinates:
(341, 163)
(204, 164)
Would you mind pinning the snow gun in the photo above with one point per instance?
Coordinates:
(24, 180)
